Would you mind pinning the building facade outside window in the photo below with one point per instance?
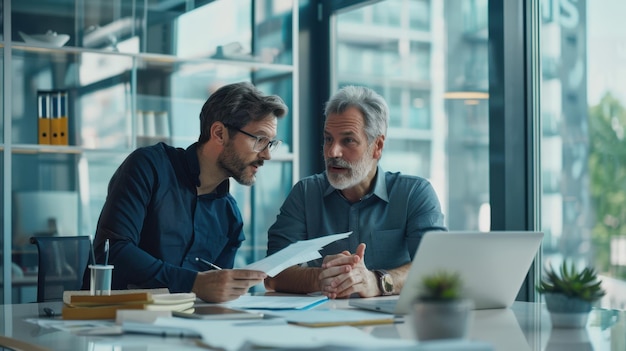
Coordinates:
(583, 115)
(430, 60)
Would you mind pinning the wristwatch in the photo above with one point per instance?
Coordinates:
(385, 282)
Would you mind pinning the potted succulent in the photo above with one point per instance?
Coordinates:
(569, 294)
(440, 311)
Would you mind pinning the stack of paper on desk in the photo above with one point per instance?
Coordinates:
(296, 253)
(172, 302)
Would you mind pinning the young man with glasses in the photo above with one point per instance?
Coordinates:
(387, 212)
(169, 217)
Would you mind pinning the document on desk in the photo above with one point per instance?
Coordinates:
(276, 302)
(270, 333)
(335, 317)
(296, 253)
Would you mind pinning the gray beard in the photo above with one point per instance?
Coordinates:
(357, 172)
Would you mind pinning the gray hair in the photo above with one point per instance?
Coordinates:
(373, 107)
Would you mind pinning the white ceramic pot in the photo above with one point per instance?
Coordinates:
(442, 320)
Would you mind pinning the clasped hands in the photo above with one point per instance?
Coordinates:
(345, 274)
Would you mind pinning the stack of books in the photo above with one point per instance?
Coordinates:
(84, 307)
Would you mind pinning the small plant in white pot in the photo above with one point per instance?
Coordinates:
(440, 311)
(570, 294)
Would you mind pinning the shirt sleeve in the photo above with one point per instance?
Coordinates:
(424, 214)
(121, 221)
(290, 225)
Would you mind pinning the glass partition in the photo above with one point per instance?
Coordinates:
(94, 169)
(170, 96)
(257, 31)
(1, 21)
(259, 206)
(428, 59)
(43, 23)
(2, 221)
(94, 79)
(2, 95)
(45, 202)
(96, 102)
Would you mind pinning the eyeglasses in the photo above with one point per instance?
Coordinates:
(261, 142)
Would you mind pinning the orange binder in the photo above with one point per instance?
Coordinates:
(58, 122)
(43, 117)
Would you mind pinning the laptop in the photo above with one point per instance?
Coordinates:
(492, 266)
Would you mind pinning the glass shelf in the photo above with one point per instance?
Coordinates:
(136, 73)
(98, 88)
(107, 92)
(162, 27)
(154, 60)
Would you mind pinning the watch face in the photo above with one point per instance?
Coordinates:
(387, 283)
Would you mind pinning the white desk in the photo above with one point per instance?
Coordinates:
(525, 326)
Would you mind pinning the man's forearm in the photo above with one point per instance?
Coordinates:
(296, 280)
(399, 275)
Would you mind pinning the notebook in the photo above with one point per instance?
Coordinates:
(492, 266)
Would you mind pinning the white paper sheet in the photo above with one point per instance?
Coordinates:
(296, 253)
(276, 302)
(329, 317)
(269, 333)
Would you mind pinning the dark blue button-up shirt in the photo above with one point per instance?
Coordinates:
(157, 224)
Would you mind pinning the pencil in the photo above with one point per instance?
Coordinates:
(208, 264)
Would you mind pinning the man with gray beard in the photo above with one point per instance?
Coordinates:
(388, 213)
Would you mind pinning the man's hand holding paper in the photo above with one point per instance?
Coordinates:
(296, 253)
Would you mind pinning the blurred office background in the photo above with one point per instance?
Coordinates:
(514, 110)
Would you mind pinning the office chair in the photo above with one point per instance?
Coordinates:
(62, 261)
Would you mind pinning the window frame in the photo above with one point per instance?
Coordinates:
(514, 129)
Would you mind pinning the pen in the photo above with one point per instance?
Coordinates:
(106, 252)
(208, 264)
(93, 254)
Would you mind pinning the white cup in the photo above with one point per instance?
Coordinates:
(100, 283)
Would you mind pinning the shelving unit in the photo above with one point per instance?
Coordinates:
(136, 73)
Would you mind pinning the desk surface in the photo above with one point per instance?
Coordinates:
(525, 326)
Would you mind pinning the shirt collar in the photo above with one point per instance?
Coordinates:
(380, 186)
(193, 166)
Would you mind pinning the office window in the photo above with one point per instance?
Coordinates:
(428, 59)
(583, 116)
(1, 97)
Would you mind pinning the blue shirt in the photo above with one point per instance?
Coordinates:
(390, 220)
(157, 224)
